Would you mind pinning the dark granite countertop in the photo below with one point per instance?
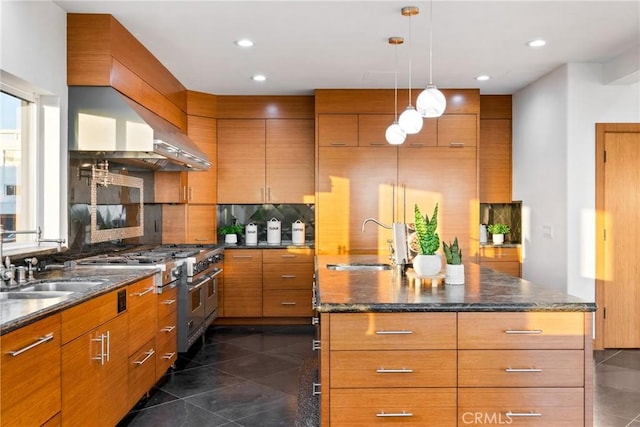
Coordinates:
(285, 244)
(389, 291)
(16, 313)
(501, 245)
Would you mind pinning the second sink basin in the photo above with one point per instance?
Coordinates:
(359, 266)
(60, 285)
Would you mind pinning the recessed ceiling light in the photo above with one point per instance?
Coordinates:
(244, 43)
(258, 78)
(536, 43)
(482, 78)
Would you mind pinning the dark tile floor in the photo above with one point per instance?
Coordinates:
(248, 377)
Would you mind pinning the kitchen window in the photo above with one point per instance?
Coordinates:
(30, 164)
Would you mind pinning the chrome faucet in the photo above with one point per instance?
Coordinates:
(398, 249)
(366, 220)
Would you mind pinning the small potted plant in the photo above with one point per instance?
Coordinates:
(427, 262)
(498, 230)
(454, 270)
(231, 232)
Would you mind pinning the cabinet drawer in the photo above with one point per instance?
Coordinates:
(292, 255)
(410, 368)
(167, 302)
(521, 368)
(143, 309)
(399, 406)
(492, 253)
(82, 318)
(167, 344)
(511, 268)
(533, 330)
(393, 331)
(287, 276)
(142, 371)
(243, 259)
(521, 406)
(286, 303)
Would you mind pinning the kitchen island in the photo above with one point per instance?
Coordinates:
(497, 350)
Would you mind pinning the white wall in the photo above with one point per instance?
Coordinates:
(33, 48)
(554, 170)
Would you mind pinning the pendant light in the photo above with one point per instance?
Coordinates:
(431, 102)
(395, 135)
(410, 120)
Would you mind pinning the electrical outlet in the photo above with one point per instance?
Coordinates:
(547, 231)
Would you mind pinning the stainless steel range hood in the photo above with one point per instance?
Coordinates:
(104, 124)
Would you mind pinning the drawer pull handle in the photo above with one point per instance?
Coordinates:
(523, 370)
(169, 356)
(403, 332)
(394, 371)
(147, 357)
(456, 144)
(168, 301)
(523, 332)
(523, 414)
(146, 291)
(338, 144)
(168, 328)
(288, 256)
(394, 414)
(288, 276)
(40, 340)
(243, 256)
(288, 303)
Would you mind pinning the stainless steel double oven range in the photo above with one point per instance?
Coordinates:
(196, 271)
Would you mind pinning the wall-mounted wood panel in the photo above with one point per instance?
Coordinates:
(202, 104)
(265, 107)
(88, 50)
(495, 107)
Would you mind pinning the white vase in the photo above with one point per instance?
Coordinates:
(231, 238)
(454, 274)
(498, 239)
(427, 265)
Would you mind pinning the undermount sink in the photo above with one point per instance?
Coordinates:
(33, 295)
(359, 266)
(62, 285)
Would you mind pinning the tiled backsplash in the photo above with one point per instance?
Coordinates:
(260, 214)
(506, 213)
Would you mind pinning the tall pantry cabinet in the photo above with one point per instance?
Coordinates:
(361, 176)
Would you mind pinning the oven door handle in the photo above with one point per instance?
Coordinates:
(200, 283)
(216, 273)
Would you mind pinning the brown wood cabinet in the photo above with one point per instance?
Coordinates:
(30, 380)
(495, 149)
(167, 331)
(287, 278)
(337, 130)
(242, 283)
(504, 259)
(458, 130)
(265, 161)
(94, 362)
(189, 223)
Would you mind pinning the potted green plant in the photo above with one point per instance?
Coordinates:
(427, 262)
(498, 230)
(231, 232)
(454, 270)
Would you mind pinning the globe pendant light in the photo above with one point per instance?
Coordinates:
(395, 135)
(410, 120)
(431, 102)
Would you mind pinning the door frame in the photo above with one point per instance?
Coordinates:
(601, 130)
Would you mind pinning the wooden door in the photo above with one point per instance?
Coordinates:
(201, 224)
(243, 283)
(202, 186)
(290, 161)
(113, 375)
(241, 161)
(495, 160)
(621, 239)
(355, 183)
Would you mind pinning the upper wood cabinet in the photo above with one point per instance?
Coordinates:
(265, 161)
(337, 130)
(495, 149)
(189, 223)
(457, 130)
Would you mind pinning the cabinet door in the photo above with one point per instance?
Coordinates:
(355, 183)
(115, 405)
(495, 161)
(201, 224)
(243, 283)
(457, 130)
(174, 224)
(372, 129)
(241, 161)
(30, 377)
(290, 161)
(202, 186)
(336, 130)
(170, 187)
(446, 176)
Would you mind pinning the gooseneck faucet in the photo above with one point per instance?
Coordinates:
(366, 220)
(398, 250)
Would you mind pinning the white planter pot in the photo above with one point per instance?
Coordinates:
(454, 274)
(427, 265)
(498, 239)
(231, 238)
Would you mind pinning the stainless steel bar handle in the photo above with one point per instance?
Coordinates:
(523, 414)
(456, 144)
(523, 331)
(394, 414)
(202, 282)
(268, 194)
(40, 340)
(190, 193)
(168, 355)
(402, 332)
(184, 192)
(288, 256)
(288, 276)
(416, 144)
(394, 371)
(168, 301)
(262, 194)
(288, 303)
(148, 355)
(338, 144)
(523, 370)
(243, 256)
(102, 355)
(108, 336)
(146, 291)
(168, 328)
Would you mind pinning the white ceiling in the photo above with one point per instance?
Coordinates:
(304, 45)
